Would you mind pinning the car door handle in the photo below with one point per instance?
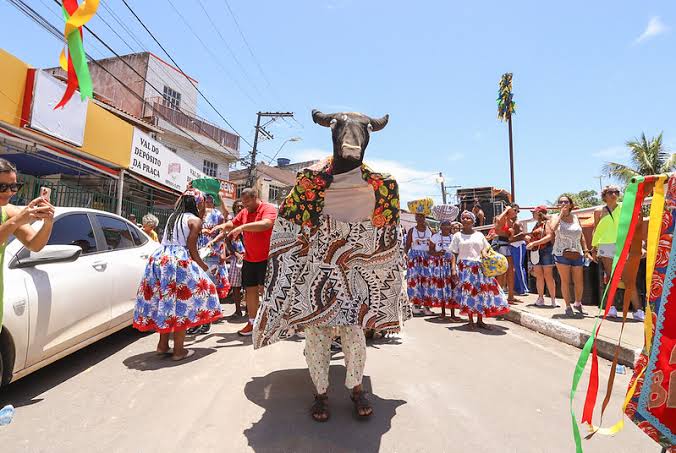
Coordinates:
(100, 266)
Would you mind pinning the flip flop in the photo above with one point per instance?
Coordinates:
(188, 354)
(170, 351)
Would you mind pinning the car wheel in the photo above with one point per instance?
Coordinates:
(6, 357)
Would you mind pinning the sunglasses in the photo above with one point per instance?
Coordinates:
(15, 187)
(564, 202)
(613, 192)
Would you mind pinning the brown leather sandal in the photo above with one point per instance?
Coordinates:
(320, 409)
(360, 403)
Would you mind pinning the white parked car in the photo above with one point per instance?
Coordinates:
(80, 288)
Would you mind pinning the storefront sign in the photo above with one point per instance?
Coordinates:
(67, 123)
(229, 188)
(155, 161)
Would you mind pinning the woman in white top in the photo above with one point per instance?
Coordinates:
(570, 249)
(176, 293)
(477, 294)
(418, 274)
(441, 267)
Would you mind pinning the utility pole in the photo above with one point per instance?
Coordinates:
(260, 130)
(600, 178)
(443, 187)
(511, 157)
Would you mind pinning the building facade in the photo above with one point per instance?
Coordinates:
(272, 183)
(166, 98)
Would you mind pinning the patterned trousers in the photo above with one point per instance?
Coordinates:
(318, 354)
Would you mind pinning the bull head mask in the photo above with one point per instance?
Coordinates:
(350, 133)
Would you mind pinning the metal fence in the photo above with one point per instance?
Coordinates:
(73, 196)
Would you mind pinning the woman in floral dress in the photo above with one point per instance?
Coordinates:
(418, 274)
(475, 293)
(176, 293)
(441, 266)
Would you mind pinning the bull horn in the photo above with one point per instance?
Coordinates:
(379, 123)
(321, 118)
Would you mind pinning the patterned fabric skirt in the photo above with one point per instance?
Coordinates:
(418, 278)
(478, 294)
(175, 293)
(441, 287)
(219, 275)
(235, 273)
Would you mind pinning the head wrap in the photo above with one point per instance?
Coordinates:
(470, 214)
(445, 222)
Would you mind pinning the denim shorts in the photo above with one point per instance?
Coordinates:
(546, 256)
(566, 262)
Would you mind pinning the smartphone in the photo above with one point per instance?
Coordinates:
(46, 193)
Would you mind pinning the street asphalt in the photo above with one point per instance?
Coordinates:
(436, 388)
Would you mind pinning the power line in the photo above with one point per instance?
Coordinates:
(213, 55)
(168, 74)
(260, 68)
(227, 46)
(183, 72)
(50, 28)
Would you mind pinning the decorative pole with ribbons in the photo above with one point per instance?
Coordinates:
(75, 64)
(507, 108)
(630, 219)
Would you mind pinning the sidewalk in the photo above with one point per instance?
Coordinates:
(575, 331)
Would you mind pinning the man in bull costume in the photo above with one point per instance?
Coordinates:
(336, 265)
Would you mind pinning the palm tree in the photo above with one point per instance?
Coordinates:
(648, 157)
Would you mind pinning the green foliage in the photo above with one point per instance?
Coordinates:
(582, 199)
(647, 156)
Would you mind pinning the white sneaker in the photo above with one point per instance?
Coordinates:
(553, 303)
(417, 310)
(639, 315)
(540, 302)
(613, 312)
(427, 311)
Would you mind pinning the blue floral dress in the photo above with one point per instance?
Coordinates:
(476, 293)
(441, 287)
(175, 293)
(418, 274)
(215, 260)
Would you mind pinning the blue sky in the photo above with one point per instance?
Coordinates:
(587, 77)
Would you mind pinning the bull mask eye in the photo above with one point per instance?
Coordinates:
(333, 123)
(370, 127)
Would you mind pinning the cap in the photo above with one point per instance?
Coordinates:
(541, 208)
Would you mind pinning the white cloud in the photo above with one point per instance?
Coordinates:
(655, 28)
(612, 153)
(414, 183)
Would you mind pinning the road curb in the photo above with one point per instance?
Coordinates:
(571, 335)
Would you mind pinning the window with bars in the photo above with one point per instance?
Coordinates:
(210, 168)
(172, 98)
(238, 190)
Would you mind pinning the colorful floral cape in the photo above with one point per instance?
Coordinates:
(305, 202)
(322, 272)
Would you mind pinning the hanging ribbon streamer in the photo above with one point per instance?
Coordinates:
(636, 220)
(620, 256)
(76, 64)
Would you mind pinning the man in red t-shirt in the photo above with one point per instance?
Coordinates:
(255, 223)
